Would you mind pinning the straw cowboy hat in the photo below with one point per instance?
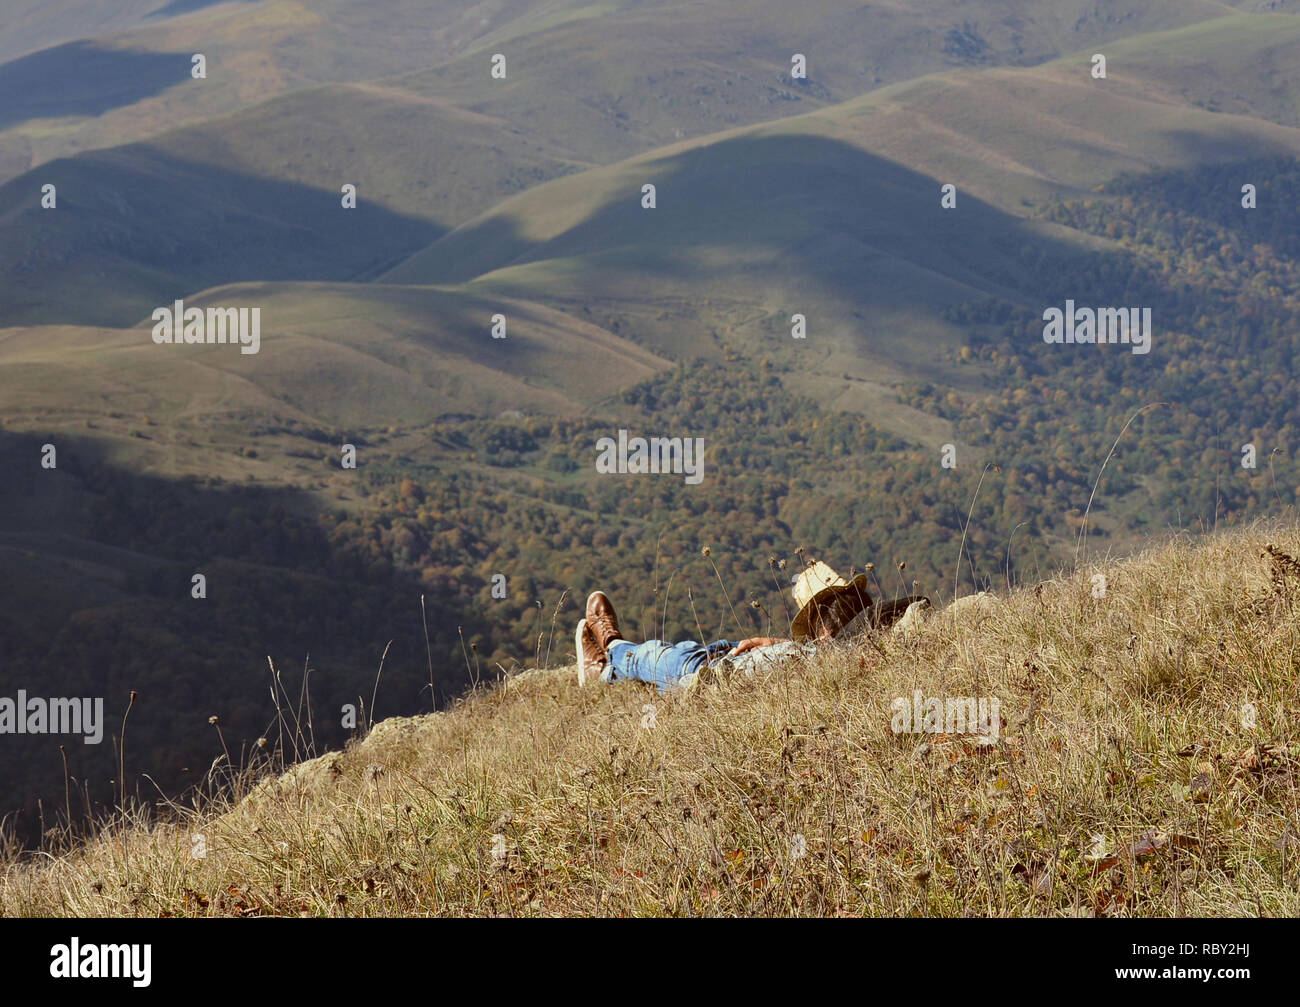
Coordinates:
(815, 592)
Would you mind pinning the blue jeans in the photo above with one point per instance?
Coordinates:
(658, 662)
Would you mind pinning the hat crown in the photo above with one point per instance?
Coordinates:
(817, 577)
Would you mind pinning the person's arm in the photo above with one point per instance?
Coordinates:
(755, 643)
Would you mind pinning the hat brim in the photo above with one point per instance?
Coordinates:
(800, 627)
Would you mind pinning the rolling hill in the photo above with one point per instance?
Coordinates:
(851, 232)
(659, 74)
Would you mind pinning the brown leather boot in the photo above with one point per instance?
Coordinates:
(591, 659)
(603, 620)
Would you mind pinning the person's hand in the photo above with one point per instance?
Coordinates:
(754, 643)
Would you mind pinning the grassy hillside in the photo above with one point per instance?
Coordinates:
(125, 75)
(1008, 137)
(255, 195)
(331, 355)
(145, 229)
(622, 79)
(476, 455)
(127, 78)
(1146, 765)
(850, 232)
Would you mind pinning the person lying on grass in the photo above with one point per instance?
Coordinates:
(830, 608)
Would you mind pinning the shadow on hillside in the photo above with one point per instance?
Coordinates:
(96, 567)
(84, 79)
(816, 216)
(1200, 191)
(137, 227)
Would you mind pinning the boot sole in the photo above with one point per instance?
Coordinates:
(577, 644)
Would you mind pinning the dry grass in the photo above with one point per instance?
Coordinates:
(1125, 782)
